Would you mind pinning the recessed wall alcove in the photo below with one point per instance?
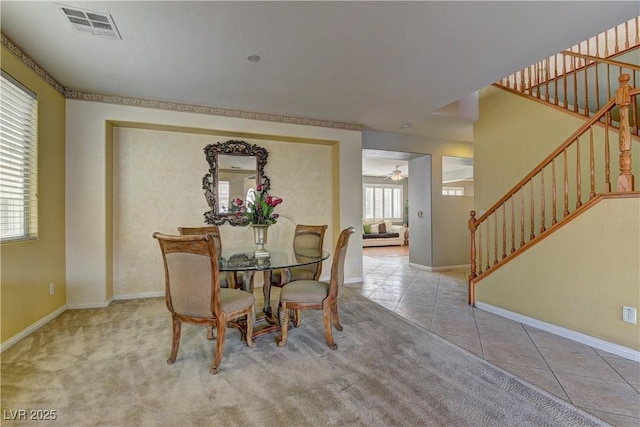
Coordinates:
(155, 184)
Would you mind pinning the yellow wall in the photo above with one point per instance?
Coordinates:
(510, 141)
(512, 136)
(579, 277)
(27, 268)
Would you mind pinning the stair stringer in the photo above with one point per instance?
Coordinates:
(580, 275)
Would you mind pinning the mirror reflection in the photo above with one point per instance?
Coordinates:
(457, 176)
(236, 179)
(235, 170)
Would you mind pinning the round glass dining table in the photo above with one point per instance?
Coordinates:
(244, 260)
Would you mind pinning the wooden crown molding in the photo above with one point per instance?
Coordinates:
(164, 105)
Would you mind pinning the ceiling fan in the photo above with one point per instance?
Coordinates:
(396, 175)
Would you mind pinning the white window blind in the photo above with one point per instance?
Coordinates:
(382, 202)
(18, 161)
(223, 196)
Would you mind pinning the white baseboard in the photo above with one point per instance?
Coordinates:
(152, 294)
(612, 348)
(31, 329)
(436, 269)
(89, 305)
(351, 280)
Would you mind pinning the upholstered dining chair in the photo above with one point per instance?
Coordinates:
(193, 293)
(316, 295)
(227, 280)
(304, 237)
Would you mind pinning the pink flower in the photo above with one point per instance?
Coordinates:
(259, 187)
(239, 201)
(269, 200)
(276, 201)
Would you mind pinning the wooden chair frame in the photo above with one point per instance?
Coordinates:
(329, 305)
(200, 244)
(286, 273)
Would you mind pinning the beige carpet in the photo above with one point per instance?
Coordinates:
(108, 367)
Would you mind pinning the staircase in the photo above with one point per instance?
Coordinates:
(583, 79)
(577, 174)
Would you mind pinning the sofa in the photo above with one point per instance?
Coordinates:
(382, 233)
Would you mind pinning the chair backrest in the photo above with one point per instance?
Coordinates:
(211, 230)
(192, 284)
(337, 265)
(309, 237)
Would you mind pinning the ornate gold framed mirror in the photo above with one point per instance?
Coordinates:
(235, 169)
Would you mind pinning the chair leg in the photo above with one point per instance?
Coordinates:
(326, 320)
(336, 317)
(175, 344)
(222, 329)
(250, 341)
(297, 317)
(284, 325)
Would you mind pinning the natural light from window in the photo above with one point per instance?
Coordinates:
(382, 201)
(18, 161)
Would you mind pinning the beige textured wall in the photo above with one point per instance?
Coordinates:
(579, 277)
(89, 215)
(158, 186)
(27, 268)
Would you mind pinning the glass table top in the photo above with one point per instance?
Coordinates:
(244, 259)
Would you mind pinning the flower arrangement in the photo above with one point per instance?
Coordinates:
(260, 210)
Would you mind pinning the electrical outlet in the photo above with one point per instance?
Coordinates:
(51, 289)
(629, 314)
(356, 262)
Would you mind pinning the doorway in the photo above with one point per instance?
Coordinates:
(386, 181)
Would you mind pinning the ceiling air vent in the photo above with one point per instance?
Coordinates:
(86, 21)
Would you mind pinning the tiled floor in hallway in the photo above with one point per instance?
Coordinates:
(601, 383)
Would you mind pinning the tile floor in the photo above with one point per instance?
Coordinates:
(601, 383)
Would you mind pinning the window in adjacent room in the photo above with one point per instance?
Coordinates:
(18, 161)
(452, 191)
(382, 202)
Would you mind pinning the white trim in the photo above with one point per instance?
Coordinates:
(353, 280)
(31, 329)
(436, 269)
(151, 294)
(612, 348)
(88, 305)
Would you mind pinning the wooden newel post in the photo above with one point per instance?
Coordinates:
(472, 253)
(623, 99)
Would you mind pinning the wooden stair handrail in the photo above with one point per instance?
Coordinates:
(602, 60)
(625, 97)
(547, 160)
(563, 79)
(570, 217)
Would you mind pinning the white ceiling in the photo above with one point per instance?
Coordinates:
(378, 64)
